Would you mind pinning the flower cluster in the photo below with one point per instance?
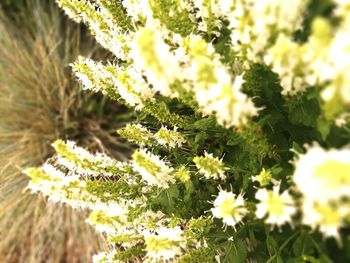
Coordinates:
(119, 208)
(170, 138)
(211, 167)
(224, 93)
(323, 177)
(140, 135)
(153, 170)
(264, 177)
(82, 162)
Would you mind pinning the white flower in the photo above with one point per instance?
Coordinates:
(209, 12)
(137, 133)
(83, 162)
(152, 56)
(183, 174)
(53, 172)
(90, 73)
(106, 257)
(149, 220)
(286, 59)
(224, 98)
(343, 119)
(215, 89)
(111, 217)
(130, 85)
(169, 138)
(338, 66)
(113, 80)
(327, 217)
(153, 170)
(323, 175)
(229, 207)
(138, 10)
(165, 244)
(254, 22)
(211, 167)
(99, 258)
(279, 207)
(108, 34)
(71, 12)
(222, 7)
(264, 177)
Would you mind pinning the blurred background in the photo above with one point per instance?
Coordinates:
(40, 101)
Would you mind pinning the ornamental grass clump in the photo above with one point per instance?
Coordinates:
(242, 122)
(39, 102)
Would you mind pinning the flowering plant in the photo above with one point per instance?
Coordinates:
(242, 125)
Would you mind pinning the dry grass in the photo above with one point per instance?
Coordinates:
(40, 102)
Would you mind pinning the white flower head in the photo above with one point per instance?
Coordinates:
(131, 85)
(264, 177)
(183, 174)
(83, 162)
(152, 169)
(149, 220)
(279, 208)
(106, 257)
(137, 133)
(165, 243)
(323, 175)
(216, 90)
(169, 138)
(152, 56)
(90, 73)
(229, 207)
(138, 10)
(99, 258)
(327, 217)
(211, 167)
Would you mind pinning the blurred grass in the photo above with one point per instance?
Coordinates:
(40, 102)
(13, 3)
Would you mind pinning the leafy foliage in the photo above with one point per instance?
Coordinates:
(238, 106)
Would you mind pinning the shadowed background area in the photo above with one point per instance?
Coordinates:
(40, 102)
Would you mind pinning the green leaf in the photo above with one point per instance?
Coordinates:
(234, 139)
(305, 113)
(303, 246)
(167, 198)
(172, 194)
(325, 259)
(205, 124)
(296, 260)
(272, 247)
(200, 138)
(298, 148)
(189, 189)
(235, 252)
(324, 127)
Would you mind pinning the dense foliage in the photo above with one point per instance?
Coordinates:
(242, 125)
